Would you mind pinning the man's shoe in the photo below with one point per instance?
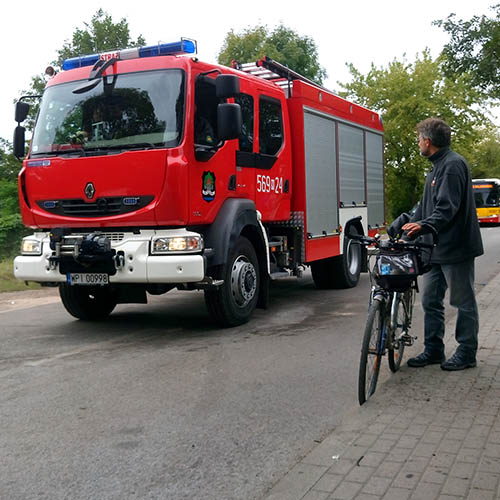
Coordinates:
(425, 359)
(458, 362)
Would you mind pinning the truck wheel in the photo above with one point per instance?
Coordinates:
(323, 273)
(91, 303)
(234, 301)
(339, 272)
(348, 265)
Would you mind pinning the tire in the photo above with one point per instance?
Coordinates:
(342, 271)
(91, 303)
(395, 347)
(371, 352)
(399, 325)
(233, 303)
(323, 273)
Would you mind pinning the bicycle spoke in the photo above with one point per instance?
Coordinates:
(401, 320)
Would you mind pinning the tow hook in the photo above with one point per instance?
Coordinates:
(120, 259)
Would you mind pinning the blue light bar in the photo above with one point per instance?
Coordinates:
(168, 49)
(184, 46)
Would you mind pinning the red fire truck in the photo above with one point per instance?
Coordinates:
(150, 170)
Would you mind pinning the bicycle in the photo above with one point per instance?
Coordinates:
(387, 330)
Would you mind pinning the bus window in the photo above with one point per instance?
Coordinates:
(486, 194)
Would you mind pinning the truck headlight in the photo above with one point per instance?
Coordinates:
(177, 244)
(30, 246)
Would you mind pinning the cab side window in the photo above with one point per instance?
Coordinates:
(205, 118)
(246, 138)
(270, 126)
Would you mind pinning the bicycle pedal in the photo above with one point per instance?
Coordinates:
(407, 339)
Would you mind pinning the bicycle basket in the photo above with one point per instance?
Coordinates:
(396, 271)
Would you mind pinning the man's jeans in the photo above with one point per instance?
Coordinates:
(459, 278)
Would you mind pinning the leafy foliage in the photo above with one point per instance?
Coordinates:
(474, 48)
(9, 165)
(11, 227)
(100, 35)
(406, 93)
(486, 159)
(282, 44)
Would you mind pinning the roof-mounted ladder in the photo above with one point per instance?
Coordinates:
(278, 73)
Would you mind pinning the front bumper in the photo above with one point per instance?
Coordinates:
(137, 265)
(489, 219)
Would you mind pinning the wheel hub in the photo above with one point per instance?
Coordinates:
(243, 281)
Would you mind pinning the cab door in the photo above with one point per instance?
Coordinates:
(245, 155)
(273, 159)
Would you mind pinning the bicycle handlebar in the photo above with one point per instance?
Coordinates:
(390, 243)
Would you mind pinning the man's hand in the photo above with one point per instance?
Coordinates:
(412, 229)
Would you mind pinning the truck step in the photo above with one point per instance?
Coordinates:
(279, 274)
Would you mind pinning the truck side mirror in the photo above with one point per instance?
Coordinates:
(22, 110)
(227, 86)
(229, 121)
(19, 141)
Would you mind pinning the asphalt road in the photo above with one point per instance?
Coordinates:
(157, 403)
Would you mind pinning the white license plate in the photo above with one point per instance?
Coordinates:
(88, 279)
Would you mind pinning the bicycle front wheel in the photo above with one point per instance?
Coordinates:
(371, 352)
(401, 313)
(396, 346)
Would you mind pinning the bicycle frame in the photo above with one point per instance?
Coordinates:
(390, 301)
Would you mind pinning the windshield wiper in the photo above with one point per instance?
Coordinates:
(125, 147)
(96, 73)
(62, 152)
(141, 145)
(116, 149)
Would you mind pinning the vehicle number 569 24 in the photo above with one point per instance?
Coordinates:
(268, 184)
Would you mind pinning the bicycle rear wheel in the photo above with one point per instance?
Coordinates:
(371, 352)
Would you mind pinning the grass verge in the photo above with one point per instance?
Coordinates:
(7, 281)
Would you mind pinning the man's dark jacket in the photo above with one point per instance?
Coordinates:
(448, 205)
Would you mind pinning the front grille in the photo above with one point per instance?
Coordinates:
(110, 236)
(102, 206)
(105, 206)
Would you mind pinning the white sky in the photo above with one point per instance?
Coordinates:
(357, 31)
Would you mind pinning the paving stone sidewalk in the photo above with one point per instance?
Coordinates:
(426, 434)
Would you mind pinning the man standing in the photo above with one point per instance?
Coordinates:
(448, 207)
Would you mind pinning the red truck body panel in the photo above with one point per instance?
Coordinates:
(173, 176)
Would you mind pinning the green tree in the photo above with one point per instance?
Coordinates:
(101, 34)
(406, 93)
(11, 227)
(474, 48)
(485, 161)
(282, 44)
(9, 165)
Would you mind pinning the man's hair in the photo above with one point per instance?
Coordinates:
(437, 130)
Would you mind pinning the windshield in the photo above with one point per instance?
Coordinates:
(133, 110)
(486, 195)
